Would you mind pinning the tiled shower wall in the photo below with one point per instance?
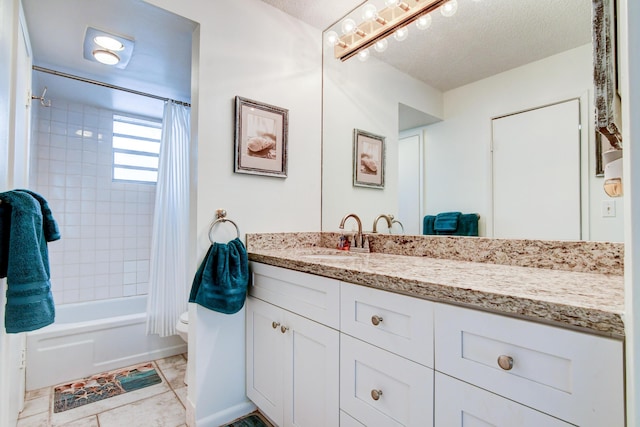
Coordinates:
(105, 225)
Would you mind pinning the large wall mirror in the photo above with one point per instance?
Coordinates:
(444, 99)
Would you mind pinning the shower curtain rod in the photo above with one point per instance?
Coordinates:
(109, 86)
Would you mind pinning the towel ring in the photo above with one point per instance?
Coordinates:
(221, 216)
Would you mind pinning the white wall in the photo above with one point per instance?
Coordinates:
(357, 95)
(458, 159)
(249, 49)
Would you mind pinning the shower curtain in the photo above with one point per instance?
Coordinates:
(168, 275)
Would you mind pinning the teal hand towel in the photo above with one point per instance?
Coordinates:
(446, 222)
(220, 284)
(50, 226)
(24, 261)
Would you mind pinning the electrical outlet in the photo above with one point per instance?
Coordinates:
(608, 208)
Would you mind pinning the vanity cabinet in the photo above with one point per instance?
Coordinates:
(574, 376)
(292, 354)
(321, 352)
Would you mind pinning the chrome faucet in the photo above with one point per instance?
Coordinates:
(389, 219)
(359, 235)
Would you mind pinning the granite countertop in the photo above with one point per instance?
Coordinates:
(590, 302)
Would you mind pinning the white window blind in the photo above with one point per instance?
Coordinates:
(136, 147)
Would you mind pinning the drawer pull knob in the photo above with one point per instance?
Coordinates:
(505, 362)
(275, 324)
(375, 394)
(376, 320)
(284, 329)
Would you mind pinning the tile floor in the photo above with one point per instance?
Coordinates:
(160, 405)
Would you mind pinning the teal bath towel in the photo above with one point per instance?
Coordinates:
(24, 261)
(220, 284)
(466, 225)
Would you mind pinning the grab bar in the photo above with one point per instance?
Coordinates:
(221, 216)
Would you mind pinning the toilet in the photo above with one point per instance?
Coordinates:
(182, 327)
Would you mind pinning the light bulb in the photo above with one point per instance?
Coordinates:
(401, 34)
(348, 26)
(108, 43)
(369, 12)
(391, 3)
(423, 22)
(363, 55)
(106, 57)
(381, 45)
(331, 38)
(449, 8)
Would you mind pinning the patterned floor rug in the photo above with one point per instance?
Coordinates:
(102, 386)
(255, 419)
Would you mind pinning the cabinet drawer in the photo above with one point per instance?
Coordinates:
(379, 388)
(347, 420)
(461, 404)
(314, 297)
(574, 376)
(398, 323)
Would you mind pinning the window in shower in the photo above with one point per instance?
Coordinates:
(136, 147)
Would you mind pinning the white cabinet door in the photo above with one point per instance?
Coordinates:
(381, 389)
(311, 373)
(265, 357)
(460, 404)
(292, 367)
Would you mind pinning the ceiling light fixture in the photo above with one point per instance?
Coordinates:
(108, 43)
(107, 48)
(377, 25)
(105, 57)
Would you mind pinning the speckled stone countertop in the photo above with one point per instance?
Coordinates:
(587, 301)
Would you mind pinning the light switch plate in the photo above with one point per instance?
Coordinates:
(608, 208)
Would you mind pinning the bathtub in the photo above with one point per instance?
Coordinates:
(92, 337)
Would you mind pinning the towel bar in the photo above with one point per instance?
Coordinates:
(221, 216)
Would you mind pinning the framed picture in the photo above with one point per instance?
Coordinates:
(368, 159)
(260, 138)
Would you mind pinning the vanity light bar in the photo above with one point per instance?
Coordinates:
(386, 23)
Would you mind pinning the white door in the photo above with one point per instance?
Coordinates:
(410, 184)
(264, 342)
(536, 173)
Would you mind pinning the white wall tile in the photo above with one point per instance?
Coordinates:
(101, 292)
(129, 290)
(106, 225)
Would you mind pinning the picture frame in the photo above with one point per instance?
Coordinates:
(368, 159)
(260, 138)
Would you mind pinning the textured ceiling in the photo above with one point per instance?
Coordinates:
(483, 38)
